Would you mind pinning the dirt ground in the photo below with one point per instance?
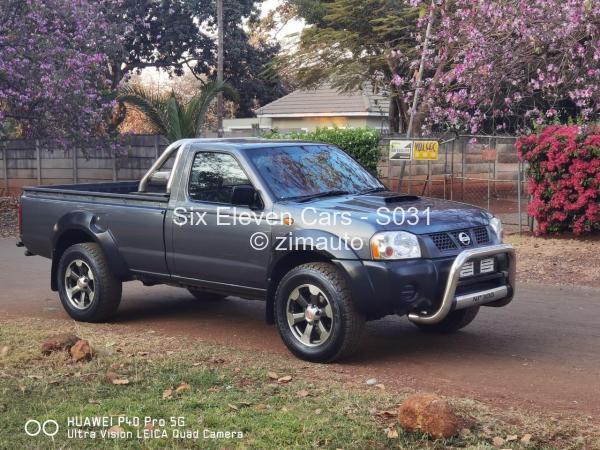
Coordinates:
(568, 260)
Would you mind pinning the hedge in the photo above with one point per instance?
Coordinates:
(564, 178)
(360, 143)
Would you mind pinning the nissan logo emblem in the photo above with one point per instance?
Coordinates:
(464, 238)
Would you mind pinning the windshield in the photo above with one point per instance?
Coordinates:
(309, 170)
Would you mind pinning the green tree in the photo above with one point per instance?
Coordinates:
(247, 56)
(349, 42)
(178, 34)
(170, 116)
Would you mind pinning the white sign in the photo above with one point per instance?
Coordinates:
(401, 150)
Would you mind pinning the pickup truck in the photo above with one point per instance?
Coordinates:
(299, 225)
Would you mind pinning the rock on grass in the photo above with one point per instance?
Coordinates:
(59, 343)
(81, 351)
(429, 413)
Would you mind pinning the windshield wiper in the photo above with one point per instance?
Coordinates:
(372, 191)
(306, 198)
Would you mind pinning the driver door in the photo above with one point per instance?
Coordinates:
(211, 249)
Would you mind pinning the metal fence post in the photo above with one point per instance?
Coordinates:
(462, 173)
(156, 146)
(114, 167)
(452, 169)
(495, 163)
(409, 175)
(489, 184)
(5, 162)
(74, 159)
(519, 198)
(38, 158)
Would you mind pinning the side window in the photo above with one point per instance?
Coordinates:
(214, 176)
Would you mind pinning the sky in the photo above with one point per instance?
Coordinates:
(290, 28)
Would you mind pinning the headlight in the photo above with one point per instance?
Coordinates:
(496, 225)
(395, 245)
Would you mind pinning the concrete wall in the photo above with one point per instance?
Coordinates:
(30, 162)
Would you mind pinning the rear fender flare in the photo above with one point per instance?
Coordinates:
(89, 224)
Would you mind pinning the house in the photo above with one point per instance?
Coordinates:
(325, 107)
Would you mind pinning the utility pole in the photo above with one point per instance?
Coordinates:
(220, 106)
(413, 110)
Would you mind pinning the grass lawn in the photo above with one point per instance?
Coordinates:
(272, 401)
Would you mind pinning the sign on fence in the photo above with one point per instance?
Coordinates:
(426, 151)
(401, 150)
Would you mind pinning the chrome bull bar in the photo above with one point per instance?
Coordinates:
(451, 302)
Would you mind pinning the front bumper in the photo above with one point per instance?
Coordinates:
(450, 301)
(429, 289)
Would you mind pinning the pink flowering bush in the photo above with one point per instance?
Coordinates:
(564, 178)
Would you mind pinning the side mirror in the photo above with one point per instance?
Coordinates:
(245, 195)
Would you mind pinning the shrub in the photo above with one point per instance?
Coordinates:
(360, 143)
(564, 178)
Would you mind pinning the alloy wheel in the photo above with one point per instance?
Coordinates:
(309, 315)
(79, 284)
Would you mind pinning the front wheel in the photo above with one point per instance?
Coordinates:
(452, 322)
(315, 315)
(88, 289)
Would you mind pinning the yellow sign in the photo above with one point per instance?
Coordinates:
(425, 150)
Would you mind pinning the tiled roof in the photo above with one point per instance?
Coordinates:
(327, 101)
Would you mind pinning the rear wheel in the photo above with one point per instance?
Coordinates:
(453, 321)
(315, 315)
(205, 296)
(88, 289)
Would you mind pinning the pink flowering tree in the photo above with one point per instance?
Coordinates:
(505, 65)
(53, 68)
(489, 66)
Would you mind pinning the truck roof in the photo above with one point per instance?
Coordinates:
(246, 143)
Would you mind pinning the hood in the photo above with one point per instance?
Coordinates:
(378, 209)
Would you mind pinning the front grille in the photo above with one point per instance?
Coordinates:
(443, 241)
(481, 235)
(459, 235)
(451, 240)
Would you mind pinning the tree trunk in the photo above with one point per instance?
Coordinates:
(394, 115)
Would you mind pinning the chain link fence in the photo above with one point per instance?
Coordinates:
(479, 170)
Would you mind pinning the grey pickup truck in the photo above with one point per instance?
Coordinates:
(300, 225)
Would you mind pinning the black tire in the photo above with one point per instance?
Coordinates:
(206, 296)
(453, 321)
(346, 325)
(106, 287)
